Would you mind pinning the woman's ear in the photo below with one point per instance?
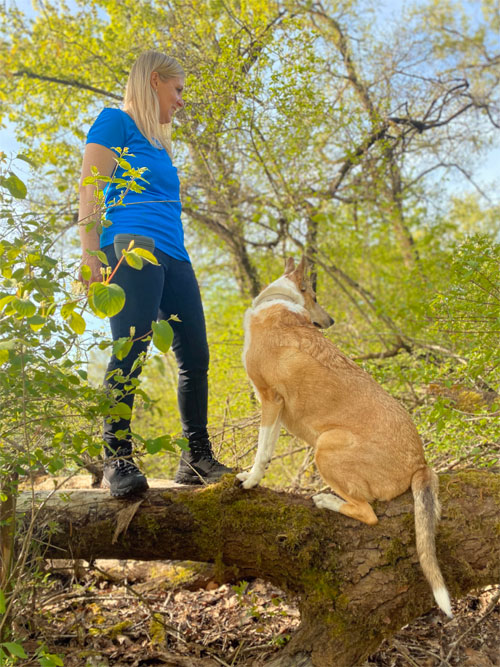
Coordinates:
(154, 80)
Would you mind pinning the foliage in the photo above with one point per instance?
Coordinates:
(274, 139)
(51, 415)
(48, 417)
(309, 127)
(343, 147)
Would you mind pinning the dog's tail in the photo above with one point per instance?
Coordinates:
(424, 485)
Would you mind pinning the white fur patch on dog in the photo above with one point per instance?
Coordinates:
(294, 307)
(327, 501)
(249, 479)
(282, 291)
(286, 294)
(265, 448)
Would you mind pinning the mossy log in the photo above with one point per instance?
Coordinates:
(355, 584)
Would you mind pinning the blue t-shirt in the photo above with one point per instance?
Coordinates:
(154, 212)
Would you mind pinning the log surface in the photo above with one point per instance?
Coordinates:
(356, 584)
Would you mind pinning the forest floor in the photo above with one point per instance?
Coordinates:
(138, 614)
(172, 614)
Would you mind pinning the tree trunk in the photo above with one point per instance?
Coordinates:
(355, 584)
(8, 498)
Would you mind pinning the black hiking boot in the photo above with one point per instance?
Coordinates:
(198, 465)
(123, 477)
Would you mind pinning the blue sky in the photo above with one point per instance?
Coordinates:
(486, 174)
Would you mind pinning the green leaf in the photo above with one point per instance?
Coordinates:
(163, 335)
(157, 444)
(182, 443)
(100, 254)
(122, 347)
(135, 187)
(15, 648)
(124, 164)
(55, 463)
(50, 660)
(94, 449)
(34, 259)
(67, 308)
(133, 260)
(153, 446)
(77, 323)
(106, 300)
(4, 356)
(57, 438)
(24, 307)
(147, 255)
(86, 272)
(6, 299)
(14, 185)
(3, 604)
(102, 257)
(36, 322)
(27, 159)
(121, 410)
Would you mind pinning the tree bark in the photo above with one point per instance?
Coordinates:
(355, 584)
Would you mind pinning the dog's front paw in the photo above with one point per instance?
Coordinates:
(249, 480)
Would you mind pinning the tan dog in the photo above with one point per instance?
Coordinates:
(366, 445)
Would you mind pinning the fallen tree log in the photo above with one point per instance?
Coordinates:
(355, 584)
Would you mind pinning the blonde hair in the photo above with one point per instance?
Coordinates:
(141, 101)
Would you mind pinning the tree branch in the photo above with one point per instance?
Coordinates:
(387, 354)
(68, 82)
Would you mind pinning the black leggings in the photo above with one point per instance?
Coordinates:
(155, 293)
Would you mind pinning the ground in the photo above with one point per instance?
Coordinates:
(135, 615)
(175, 615)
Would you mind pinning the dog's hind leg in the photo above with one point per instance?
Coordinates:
(336, 463)
(268, 435)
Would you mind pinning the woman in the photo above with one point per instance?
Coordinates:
(153, 95)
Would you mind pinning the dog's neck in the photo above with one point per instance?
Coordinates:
(282, 290)
(275, 296)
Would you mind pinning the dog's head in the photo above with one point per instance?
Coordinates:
(298, 275)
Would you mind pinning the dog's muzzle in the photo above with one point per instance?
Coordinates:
(324, 325)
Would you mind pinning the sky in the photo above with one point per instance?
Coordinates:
(486, 174)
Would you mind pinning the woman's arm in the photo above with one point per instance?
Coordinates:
(103, 159)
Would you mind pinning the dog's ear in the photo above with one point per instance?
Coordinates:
(301, 273)
(289, 265)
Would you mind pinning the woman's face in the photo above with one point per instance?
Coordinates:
(169, 95)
